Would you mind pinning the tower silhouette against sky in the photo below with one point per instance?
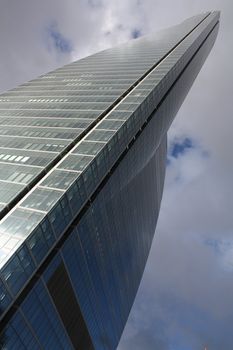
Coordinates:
(82, 165)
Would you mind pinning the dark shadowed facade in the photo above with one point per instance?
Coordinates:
(82, 165)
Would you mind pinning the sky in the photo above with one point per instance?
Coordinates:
(185, 298)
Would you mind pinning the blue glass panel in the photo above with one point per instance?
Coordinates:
(5, 298)
(18, 269)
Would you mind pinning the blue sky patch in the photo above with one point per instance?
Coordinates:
(57, 41)
(136, 33)
(178, 148)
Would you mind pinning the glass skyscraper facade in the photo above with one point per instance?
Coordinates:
(82, 165)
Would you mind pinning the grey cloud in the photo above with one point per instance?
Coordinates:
(145, 339)
(95, 3)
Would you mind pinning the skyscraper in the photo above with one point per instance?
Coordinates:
(82, 164)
